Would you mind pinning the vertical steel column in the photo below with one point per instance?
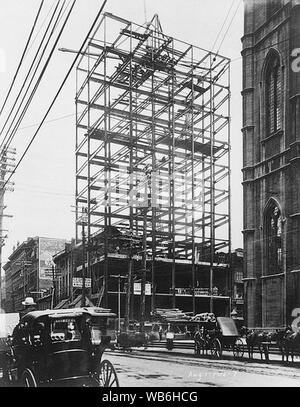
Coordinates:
(212, 187)
(229, 187)
(83, 295)
(144, 263)
(88, 272)
(172, 175)
(106, 270)
(154, 195)
(193, 183)
(76, 160)
(129, 298)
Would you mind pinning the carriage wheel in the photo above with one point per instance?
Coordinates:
(216, 349)
(202, 348)
(107, 375)
(199, 347)
(28, 379)
(238, 349)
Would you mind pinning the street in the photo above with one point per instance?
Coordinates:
(154, 369)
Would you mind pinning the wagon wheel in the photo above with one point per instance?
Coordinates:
(238, 349)
(216, 348)
(107, 375)
(196, 348)
(28, 379)
(199, 348)
(202, 347)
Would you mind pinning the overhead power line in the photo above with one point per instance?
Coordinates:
(22, 57)
(224, 22)
(41, 27)
(29, 71)
(60, 88)
(15, 129)
(231, 21)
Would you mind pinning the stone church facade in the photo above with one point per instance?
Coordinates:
(271, 161)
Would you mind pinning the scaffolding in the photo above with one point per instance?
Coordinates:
(153, 147)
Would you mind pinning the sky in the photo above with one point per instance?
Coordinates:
(44, 190)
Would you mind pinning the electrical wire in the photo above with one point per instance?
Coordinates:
(42, 25)
(55, 119)
(22, 57)
(10, 138)
(59, 90)
(37, 83)
(222, 26)
(231, 21)
(268, 47)
(29, 71)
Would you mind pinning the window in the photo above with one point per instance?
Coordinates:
(65, 329)
(274, 240)
(273, 96)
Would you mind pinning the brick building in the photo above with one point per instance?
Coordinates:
(28, 273)
(271, 161)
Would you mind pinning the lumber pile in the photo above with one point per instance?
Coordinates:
(169, 314)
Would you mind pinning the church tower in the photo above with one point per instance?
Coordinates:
(271, 161)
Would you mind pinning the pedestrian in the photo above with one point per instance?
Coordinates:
(160, 332)
(29, 306)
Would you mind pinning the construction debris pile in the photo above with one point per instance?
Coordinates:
(204, 317)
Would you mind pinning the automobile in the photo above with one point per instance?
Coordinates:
(55, 348)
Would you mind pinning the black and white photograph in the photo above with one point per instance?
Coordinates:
(149, 196)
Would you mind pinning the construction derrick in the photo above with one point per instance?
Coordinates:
(152, 151)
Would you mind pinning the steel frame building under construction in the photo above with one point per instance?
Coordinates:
(153, 162)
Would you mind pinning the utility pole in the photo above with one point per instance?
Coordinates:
(7, 165)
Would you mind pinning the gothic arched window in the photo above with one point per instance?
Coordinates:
(273, 80)
(274, 240)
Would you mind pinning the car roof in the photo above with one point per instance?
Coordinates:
(64, 313)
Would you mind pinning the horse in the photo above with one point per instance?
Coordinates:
(253, 339)
(290, 342)
(279, 337)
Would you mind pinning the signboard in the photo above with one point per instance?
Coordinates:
(138, 289)
(77, 282)
(47, 249)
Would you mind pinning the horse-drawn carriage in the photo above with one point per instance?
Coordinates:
(55, 348)
(215, 336)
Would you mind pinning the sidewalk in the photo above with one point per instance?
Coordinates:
(186, 348)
